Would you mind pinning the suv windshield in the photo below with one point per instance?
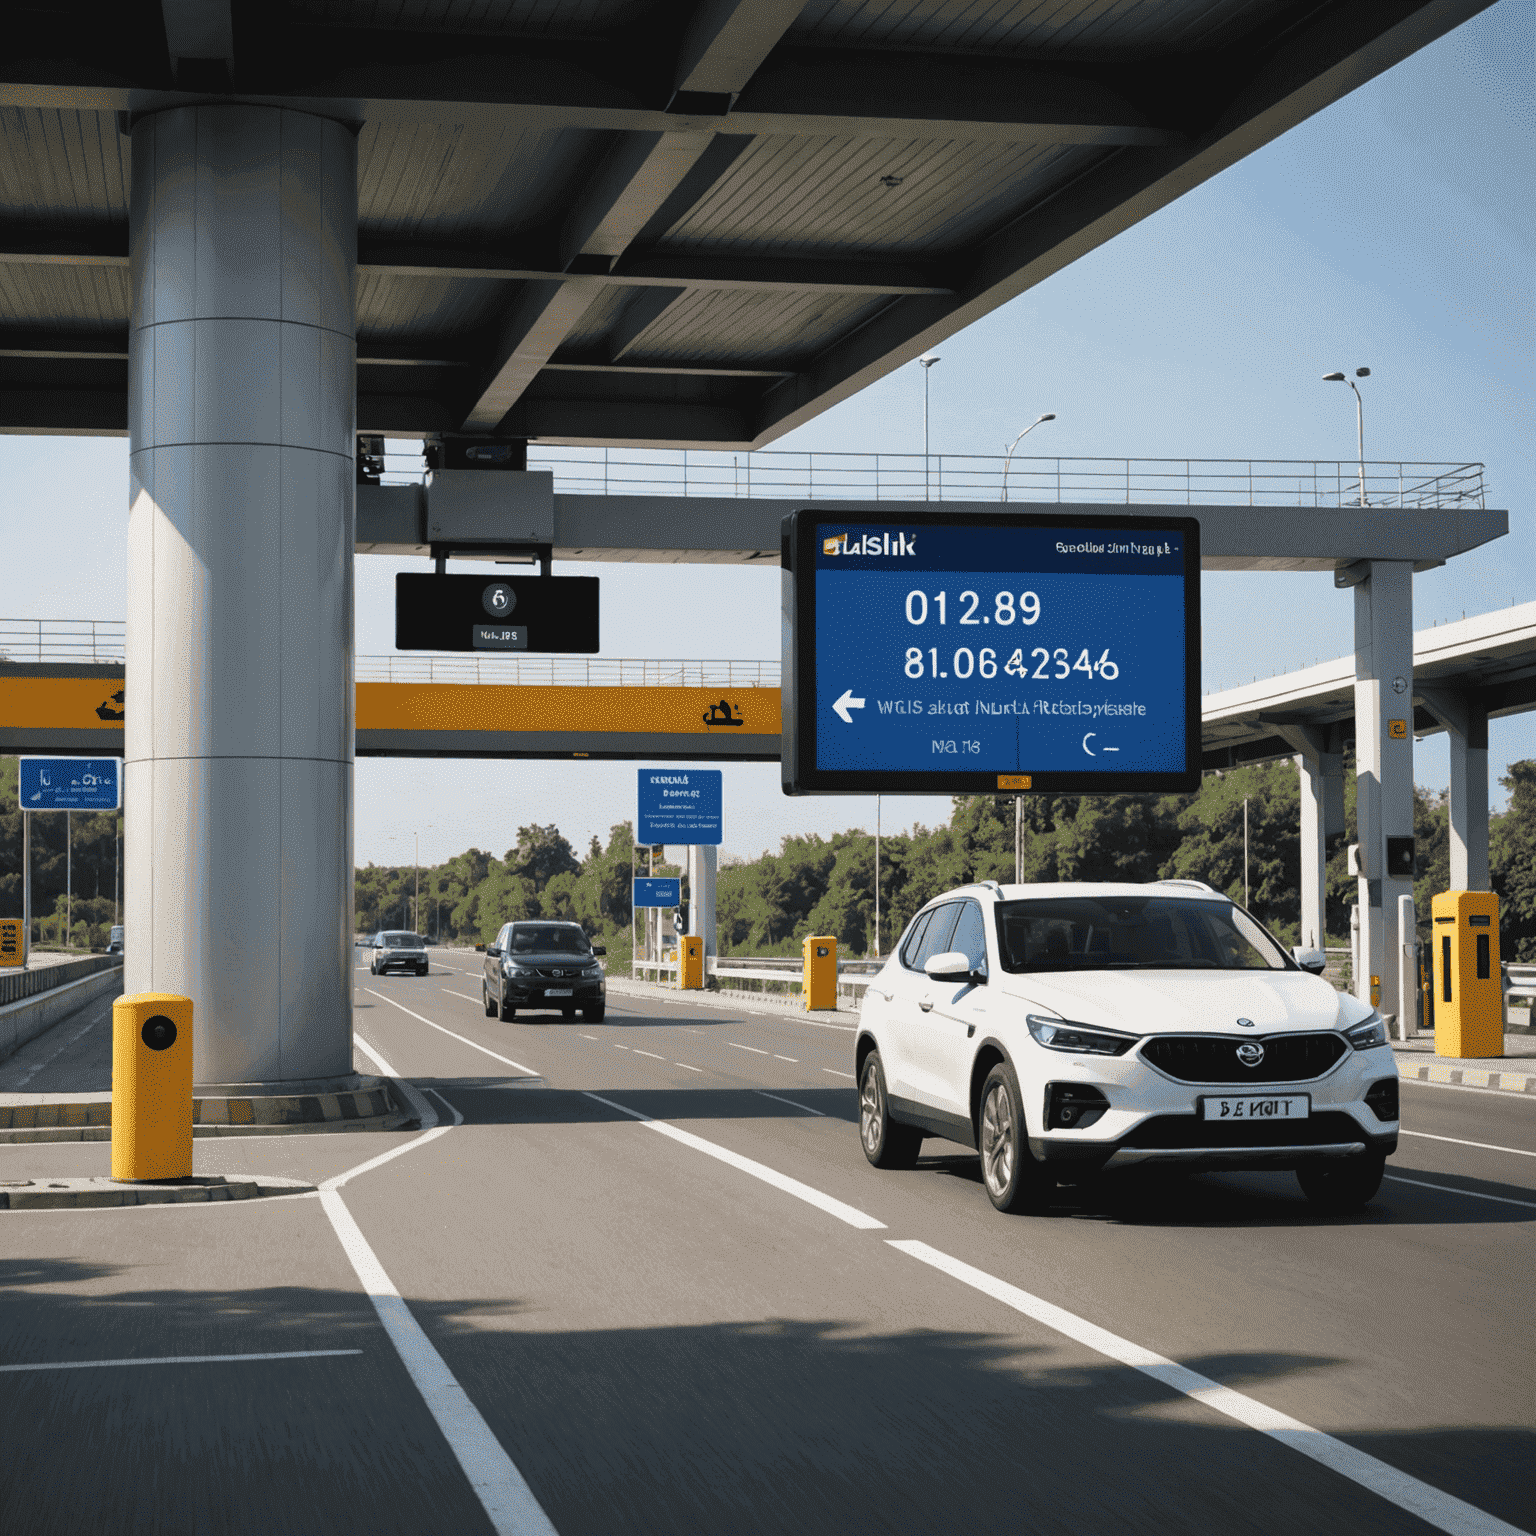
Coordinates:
(548, 939)
(404, 941)
(1150, 933)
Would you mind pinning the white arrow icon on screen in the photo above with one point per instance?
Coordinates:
(844, 704)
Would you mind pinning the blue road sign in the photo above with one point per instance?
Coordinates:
(999, 651)
(680, 805)
(71, 784)
(659, 891)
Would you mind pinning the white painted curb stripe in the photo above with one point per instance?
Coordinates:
(848, 1213)
(500, 1487)
(1442, 1510)
(463, 1040)
(1456, 1141)
(91, 1365)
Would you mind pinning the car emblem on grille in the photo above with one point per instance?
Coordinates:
(1245, 1023)
(557, 973)
(1250, 1053)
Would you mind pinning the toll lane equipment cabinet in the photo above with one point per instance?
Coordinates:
(1469, 999)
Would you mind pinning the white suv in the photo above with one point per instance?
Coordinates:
(1064, 1029)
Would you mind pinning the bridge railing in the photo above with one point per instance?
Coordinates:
(819, 476)
(567, 671)
(77, 641)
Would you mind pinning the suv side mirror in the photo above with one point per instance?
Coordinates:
(598, 949)
(952, 965)
(1313, 960)
(490, 949)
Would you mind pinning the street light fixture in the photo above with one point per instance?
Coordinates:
(1008, 456)
(927, 360)
(1340, 378)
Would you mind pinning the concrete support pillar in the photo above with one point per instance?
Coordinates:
(701, 898)
(1383, 762)
(1314, 856)
(1469, 802)
(239, 722)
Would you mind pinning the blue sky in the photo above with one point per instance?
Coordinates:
(1393, 230)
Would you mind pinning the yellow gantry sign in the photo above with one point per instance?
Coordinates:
(11, 947)
(41, 711)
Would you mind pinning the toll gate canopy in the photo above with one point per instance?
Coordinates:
(644, 222)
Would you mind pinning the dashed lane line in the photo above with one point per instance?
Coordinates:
(1456, 1141)
(685, 1064)
(462, 1039)
(794, 1059)
(835, 1073)
(587, 1037)
(848, 1213)
(1471, 1194)
(651, 1054)
(1432, 1505)
(92, 1365)
(755, 1051)
(776, 1098)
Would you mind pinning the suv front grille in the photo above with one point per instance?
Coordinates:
(1189, 1132)
(1214, 1058)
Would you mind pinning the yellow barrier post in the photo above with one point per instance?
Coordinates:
(1469, 997)
(819, 978)
(152, 1086)
(690, 976)
(12, 951)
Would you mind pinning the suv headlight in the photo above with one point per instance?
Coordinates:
(520, 970)
(593, 970)
(1370, 1033)
(1064, 1035)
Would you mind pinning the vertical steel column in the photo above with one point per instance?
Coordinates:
(702, 860)
(1469, 802)
(239, 721)
(1314, 856)
(1383, 762)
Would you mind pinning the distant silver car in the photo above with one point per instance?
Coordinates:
(115, 940)
(397, 950)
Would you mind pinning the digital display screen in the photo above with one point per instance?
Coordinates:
(977, 651)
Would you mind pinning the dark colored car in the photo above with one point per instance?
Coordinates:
(397, 950)
(540, 964)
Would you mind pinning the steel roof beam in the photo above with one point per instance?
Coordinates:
(1316, 65)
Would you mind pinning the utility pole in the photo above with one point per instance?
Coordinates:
(1018, 840)
(877, 877)
(416, 898)
(1245, 850)
(69, 880)
(927, 363)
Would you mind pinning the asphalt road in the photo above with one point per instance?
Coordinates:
(722, 1319)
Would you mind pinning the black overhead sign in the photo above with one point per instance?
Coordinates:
(502, 613)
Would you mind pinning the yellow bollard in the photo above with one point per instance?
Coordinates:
(1469, 996)
(152, 1086)
(819, 977)
(690, 978)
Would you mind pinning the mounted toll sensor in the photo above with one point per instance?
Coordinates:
(990, 652)
(509, 613)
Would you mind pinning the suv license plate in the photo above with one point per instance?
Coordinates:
(559, 991)
(1283, 1106)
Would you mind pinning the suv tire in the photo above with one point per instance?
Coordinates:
(1014, 1181)
(504, 1011)
(485, 997)
(593, 1014)
(886, 1143)
(1345, 1185)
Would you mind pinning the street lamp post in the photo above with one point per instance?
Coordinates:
(1008, 456)
(927, 361)
(1339, 378)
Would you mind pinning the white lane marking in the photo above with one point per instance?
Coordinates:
(337, 1180)
(806, 1107)
(835, 1073)
(751, 1048)
(91, 1365)
(1508, 1093)
(472, 1044)
(652, 1054)
(1483, 1146)
(586, 1037)
(1432, 1505)
(501, 1488)
(53, 1055)
(685, 1064)
(619, 1047)
(465, 995)
(1471, 1194)
(426, 1116)
(851, 1214)
(777, 1057)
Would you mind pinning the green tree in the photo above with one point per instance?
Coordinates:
(1512, 864)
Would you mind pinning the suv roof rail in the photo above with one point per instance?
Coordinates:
(1198, 885)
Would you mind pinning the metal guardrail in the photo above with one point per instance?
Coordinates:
(15, 985)
(818, 476)
(81, 641)
(786, 969)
